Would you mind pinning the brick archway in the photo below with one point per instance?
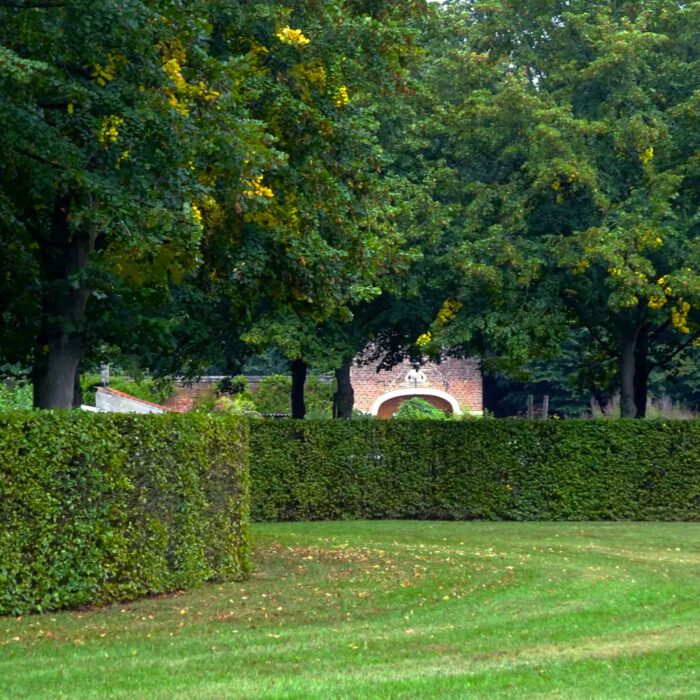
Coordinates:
(390, 406)
(390, 401)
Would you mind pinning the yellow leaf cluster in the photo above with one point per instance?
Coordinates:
(581, 266)
(662, 283)
(258, 49)
(647, 155)
(178, 106)
(342, 96)
(255, 188)
(173, 49)
(184, 91)
(424, 339)
(267, 219)
(311, 73)
(196, 214)
(448, 311)
(109, 130)
(212, 210)
(103, 74)
(679, 316)
(292, 37)
(173, 70)
(651, 239)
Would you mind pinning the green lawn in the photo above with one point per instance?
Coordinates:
(396, 610)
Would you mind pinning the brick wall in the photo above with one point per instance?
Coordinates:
(457, 377)
(185, 396)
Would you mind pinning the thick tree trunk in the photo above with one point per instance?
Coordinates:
(641, 372)
(634, 372)
(628, 408)
(344, 397)
(59, 346)
(298, 381)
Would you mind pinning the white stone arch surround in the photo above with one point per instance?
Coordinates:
(417, 391)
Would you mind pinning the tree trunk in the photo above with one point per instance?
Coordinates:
(59, 346)
(344, 397)
(641, 372)
(628, 408)
(602, 400)
(298, 381)
(77, 389)
(634, 372)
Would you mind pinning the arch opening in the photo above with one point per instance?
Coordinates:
(385, 406)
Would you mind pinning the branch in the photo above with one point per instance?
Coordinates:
(53, 105)
(30, 5)
(37, 157)
(597, 339)
(664, 362)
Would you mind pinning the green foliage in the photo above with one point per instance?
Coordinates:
(188, 181)
(233, 396)
(238, 405)
(15, 397)
(571, 194)
(510, 470)
(99, 508)
(146, 388)
(115, 116)
(419, 409)
(232, 386)
(272, 395)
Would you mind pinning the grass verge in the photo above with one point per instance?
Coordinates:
(395, 610)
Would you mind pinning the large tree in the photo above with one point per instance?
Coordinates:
(115, 116)
(572, 145)
(313, 237)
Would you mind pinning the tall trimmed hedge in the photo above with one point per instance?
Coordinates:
(97, 507)
(481, 469)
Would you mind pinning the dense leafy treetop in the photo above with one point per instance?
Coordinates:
(115, 120)
(571, 162)
(229, 144)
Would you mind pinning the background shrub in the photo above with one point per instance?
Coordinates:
(101, 507)
(486, 469)
(417, 408)
(272, 396)
(146, 388)
(15, 396)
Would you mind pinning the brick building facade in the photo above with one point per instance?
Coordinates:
(453, 385)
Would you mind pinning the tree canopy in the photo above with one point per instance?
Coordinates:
(572, 163)
(193, 183)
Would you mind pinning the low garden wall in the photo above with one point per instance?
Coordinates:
(97, 507)
(488, 469)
